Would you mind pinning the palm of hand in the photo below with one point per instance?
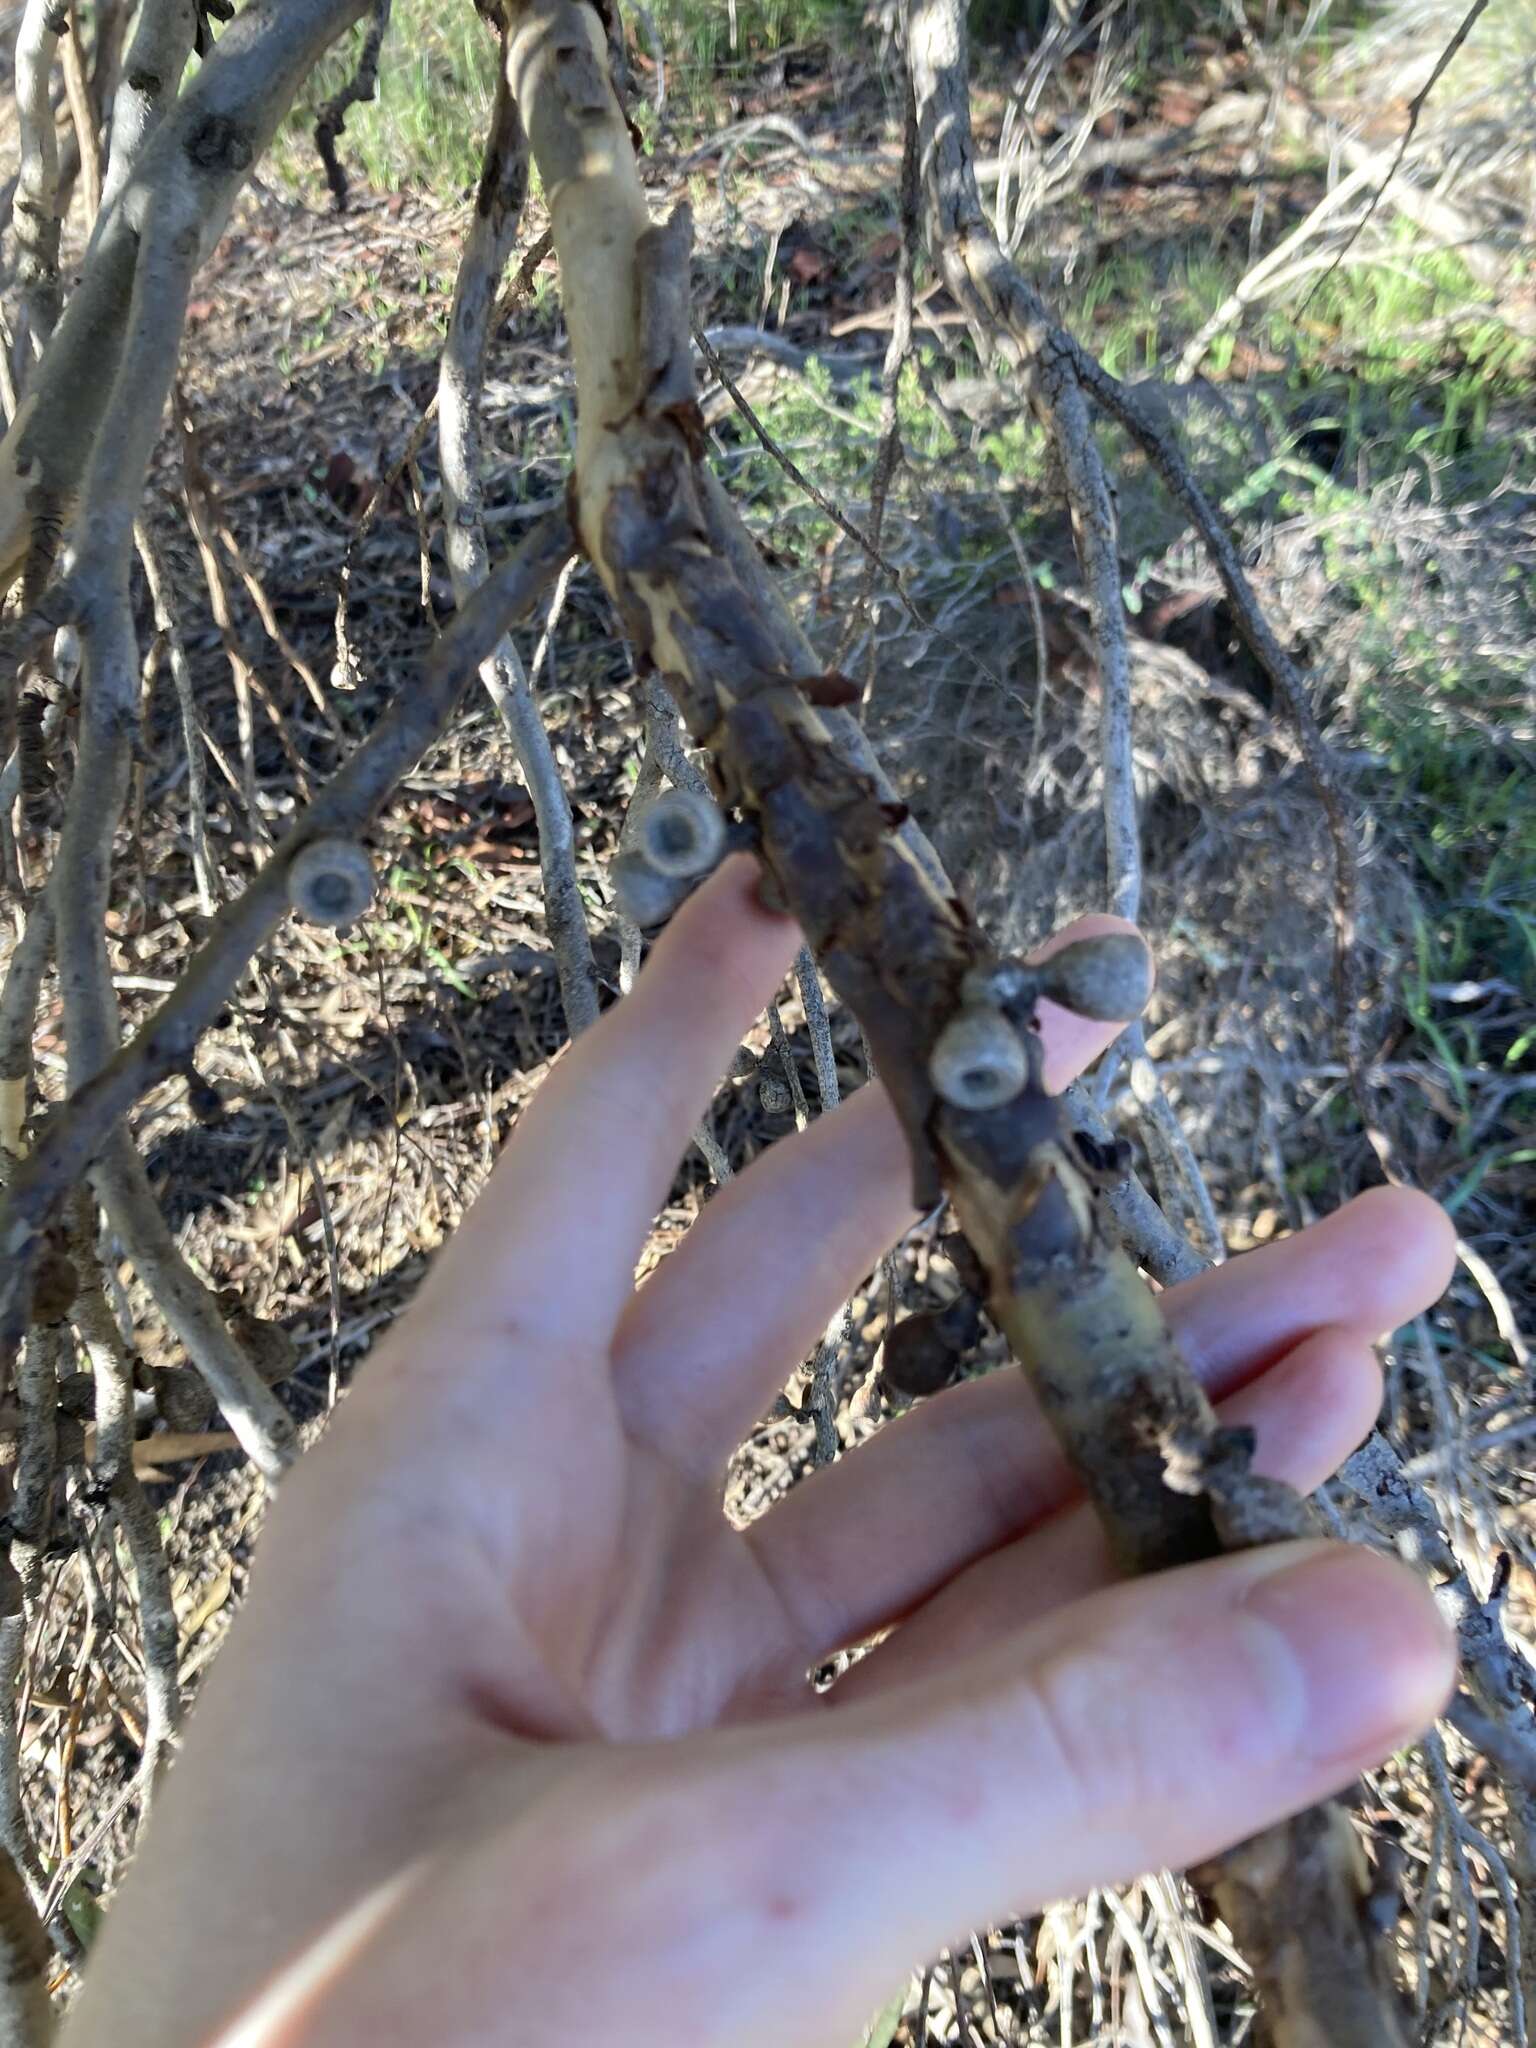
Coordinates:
(505, 1577)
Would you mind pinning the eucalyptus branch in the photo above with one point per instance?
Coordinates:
(177, 196)
(81, 884)
(163, 36)
(894, 940)
(36, 201)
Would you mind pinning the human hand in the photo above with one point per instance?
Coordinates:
(514, 1735)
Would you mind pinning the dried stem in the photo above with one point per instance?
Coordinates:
(791, 468)
(201, 520)
(1493, 1670)
(461, 379)
(1157, 1246)
(888, 454)
(272, 627)
(1416, 107)
(359, 88)
(254, 1413)
(818, 1029)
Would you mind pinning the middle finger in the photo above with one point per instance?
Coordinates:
(873, 1535)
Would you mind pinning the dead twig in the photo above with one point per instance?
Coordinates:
(359, 88)
(791, 468)
(81, 113)
(271, 625)
(1416, 107)
(888, 453)
(192, 738)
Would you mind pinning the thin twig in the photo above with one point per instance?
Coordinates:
(1415, 108)
(461, 377)
(359, 88)
(272, 627)
(818, 1029)
(81, 113)
(791, 469)
(888, 452)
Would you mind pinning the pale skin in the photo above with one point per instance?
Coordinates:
(513, 1739)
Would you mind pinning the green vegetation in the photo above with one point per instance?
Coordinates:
(424, 130)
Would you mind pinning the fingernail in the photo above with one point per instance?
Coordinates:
(1375, 1660)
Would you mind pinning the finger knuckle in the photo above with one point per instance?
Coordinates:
(1091, 1738)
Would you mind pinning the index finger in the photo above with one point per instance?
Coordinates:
(550, 1247)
